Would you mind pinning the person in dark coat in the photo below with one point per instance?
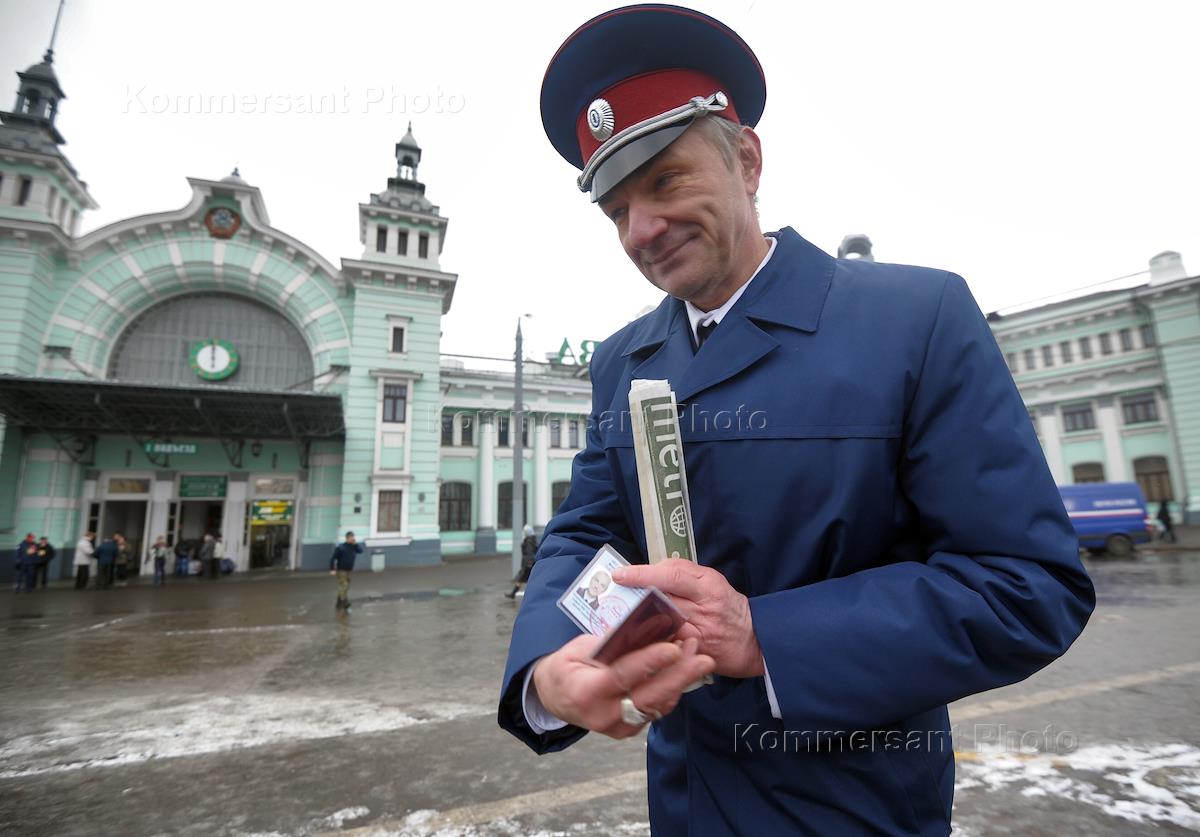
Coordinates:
(45, 553)
(877, 531)
(25, 562)
(207, 556)
(1164, 517)
(123, 560)
(183, 556)
(106, 560)
(528, 551)
(341, 564)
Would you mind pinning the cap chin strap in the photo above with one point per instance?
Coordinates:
(697, 106)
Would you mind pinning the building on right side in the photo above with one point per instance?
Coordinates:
(1112, 383)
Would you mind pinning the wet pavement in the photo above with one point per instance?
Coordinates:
(247, 706)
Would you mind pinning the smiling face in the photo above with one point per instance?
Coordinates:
(686, 218)
(598, 584)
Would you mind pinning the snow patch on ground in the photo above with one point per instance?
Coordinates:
(338, 818)
(128, 732)
(423, 824)
(1141, 784)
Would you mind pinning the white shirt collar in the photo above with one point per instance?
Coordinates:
(698, 317)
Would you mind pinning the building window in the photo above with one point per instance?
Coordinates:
(554, 428)
(504, 511)
(1029, 362)
(1148, 338)
(1065, 349)
(381, 239)
(1126, 336)
(1079, 417)
(1106, 343)
(389, 511)
(454, 507)
(1011, 357)
(502, 431)
(1085, 348)
(423, 246)
(447, 429)
(395, 402)
(1140, 409)
(1153, 478)
(1047, 355)
(1087, 472)
(558, 494)
(23, 190)
(402, 243)
(573, 429)
(467, 424)
(398, 339)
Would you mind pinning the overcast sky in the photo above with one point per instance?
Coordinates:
(1033, 147)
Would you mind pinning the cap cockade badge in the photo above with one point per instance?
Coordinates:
(600, 119)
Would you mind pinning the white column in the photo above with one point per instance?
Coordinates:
(487, 480)
(541, 470)
(233, 521)
(161, 491)
(1047, 418)
(1106, 419)
(86, 498)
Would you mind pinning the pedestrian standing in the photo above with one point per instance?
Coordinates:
(206, 557)
(158, 554)
(45, 554)
(106, 558)
(528, 550)
(219, 553)
(123, 559)
(25, 560)
(84, 549)
(183, 557)
(1164, 517)
(341, 564)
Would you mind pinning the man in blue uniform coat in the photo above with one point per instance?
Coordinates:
(878, 532)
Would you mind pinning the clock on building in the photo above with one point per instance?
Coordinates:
(214, 360)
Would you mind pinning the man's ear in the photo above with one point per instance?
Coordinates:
(750, 159)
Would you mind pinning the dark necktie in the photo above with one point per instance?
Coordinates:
(703, 332)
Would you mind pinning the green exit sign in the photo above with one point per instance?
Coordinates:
(170, 447)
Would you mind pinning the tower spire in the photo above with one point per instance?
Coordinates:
(49, 56)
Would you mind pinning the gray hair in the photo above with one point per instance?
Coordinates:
(725, 136)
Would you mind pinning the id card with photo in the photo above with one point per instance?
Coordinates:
(594, 601)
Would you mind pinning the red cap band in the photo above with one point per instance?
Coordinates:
(650, 94)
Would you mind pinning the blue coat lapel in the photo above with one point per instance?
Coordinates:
(790, 291)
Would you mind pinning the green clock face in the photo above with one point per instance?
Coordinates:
(214, 360)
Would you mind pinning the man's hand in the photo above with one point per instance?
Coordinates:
(588, 694)
(717, 615)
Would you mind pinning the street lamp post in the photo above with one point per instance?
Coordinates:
(518, 446)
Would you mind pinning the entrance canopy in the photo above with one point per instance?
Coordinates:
(65, 408)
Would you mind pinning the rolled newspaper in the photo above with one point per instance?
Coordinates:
(662, 478)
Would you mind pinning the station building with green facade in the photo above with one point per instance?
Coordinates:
(198, 370)
(1112, 383)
